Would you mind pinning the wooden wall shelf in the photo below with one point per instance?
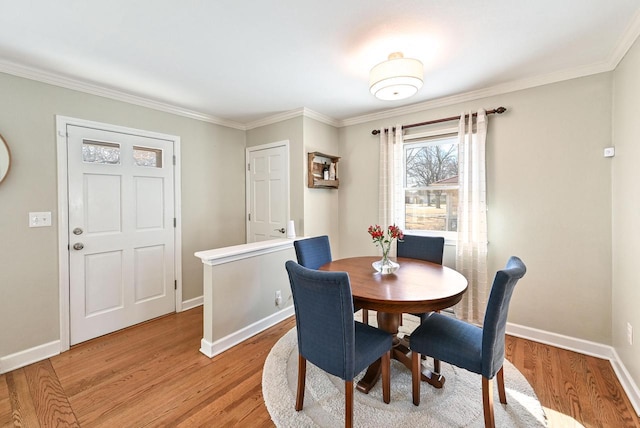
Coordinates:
(315, 163)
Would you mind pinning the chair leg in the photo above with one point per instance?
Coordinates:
(487, 403)
(501, 391)
(416, 373)
(302, 371)
(386, 377)
(436, 366)
(348, 403)
(365, 316)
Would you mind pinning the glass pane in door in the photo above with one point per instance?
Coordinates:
(143, 156)
(100, 152)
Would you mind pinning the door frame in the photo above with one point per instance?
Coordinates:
(63, 212)
(247, 179)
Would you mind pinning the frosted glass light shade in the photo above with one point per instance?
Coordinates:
(396, 78)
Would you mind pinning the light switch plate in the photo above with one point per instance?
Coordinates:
(40, 219)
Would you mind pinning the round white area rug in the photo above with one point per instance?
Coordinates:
(457, 404)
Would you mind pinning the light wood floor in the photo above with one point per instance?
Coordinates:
(154, 375)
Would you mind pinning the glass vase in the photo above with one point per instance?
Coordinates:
(385, 265)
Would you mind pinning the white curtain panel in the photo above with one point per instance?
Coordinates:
(391, 194)
(471, 249)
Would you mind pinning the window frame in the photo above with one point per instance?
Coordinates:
(450, 236)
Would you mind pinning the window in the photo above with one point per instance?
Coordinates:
(143, 156)
(100, 152)
(430, 179)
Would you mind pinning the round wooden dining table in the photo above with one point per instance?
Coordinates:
(417, 286)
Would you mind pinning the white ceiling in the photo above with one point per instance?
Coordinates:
(243, 61)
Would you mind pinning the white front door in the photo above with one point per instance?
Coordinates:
(268, 193)
(121, 230)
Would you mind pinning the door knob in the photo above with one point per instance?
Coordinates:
(78, 246)
(77, 231)
(281, 230)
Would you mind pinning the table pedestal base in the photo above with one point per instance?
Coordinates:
(391, 322)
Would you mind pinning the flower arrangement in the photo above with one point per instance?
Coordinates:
(384, 239)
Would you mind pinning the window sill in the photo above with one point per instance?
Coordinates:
(450, 238)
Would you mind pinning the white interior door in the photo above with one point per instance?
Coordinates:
(268, 193)
(121, 230)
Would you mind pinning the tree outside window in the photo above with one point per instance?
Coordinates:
(431, 184)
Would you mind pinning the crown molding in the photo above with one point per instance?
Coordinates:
(302, 111)
(74, 84)
(311, 114)
(626, 41)
(500, 89)
(631, 34)
(279, 117)
(89, 88)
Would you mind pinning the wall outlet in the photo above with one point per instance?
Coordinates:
(278, 298)
(629, 333)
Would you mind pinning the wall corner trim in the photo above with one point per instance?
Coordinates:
(192, 303)
(212, 349)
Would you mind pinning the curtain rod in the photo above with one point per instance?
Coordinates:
(498, 110)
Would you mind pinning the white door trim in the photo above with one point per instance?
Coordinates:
(247, 179)
(63, 212)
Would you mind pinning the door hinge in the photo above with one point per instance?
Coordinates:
(174, 159)
(174, 222)
(175, 284)
(249, 216)
(248, 167)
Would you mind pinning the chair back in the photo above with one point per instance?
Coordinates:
(324, 318)
(313, 252)
(429, 248)
(495, 318)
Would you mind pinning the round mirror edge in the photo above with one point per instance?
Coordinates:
(3, 142)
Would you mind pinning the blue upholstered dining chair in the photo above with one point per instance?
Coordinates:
(315, 252)
(329, 337)
(429, 248)
(479, 350)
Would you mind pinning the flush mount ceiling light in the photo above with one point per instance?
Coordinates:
(396, 78)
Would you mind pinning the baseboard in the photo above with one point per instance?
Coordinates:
(212, 349)
(29, 356)
(47, 350)
(561, 341)
(583, 347)
(192, 303)
(627, 382)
